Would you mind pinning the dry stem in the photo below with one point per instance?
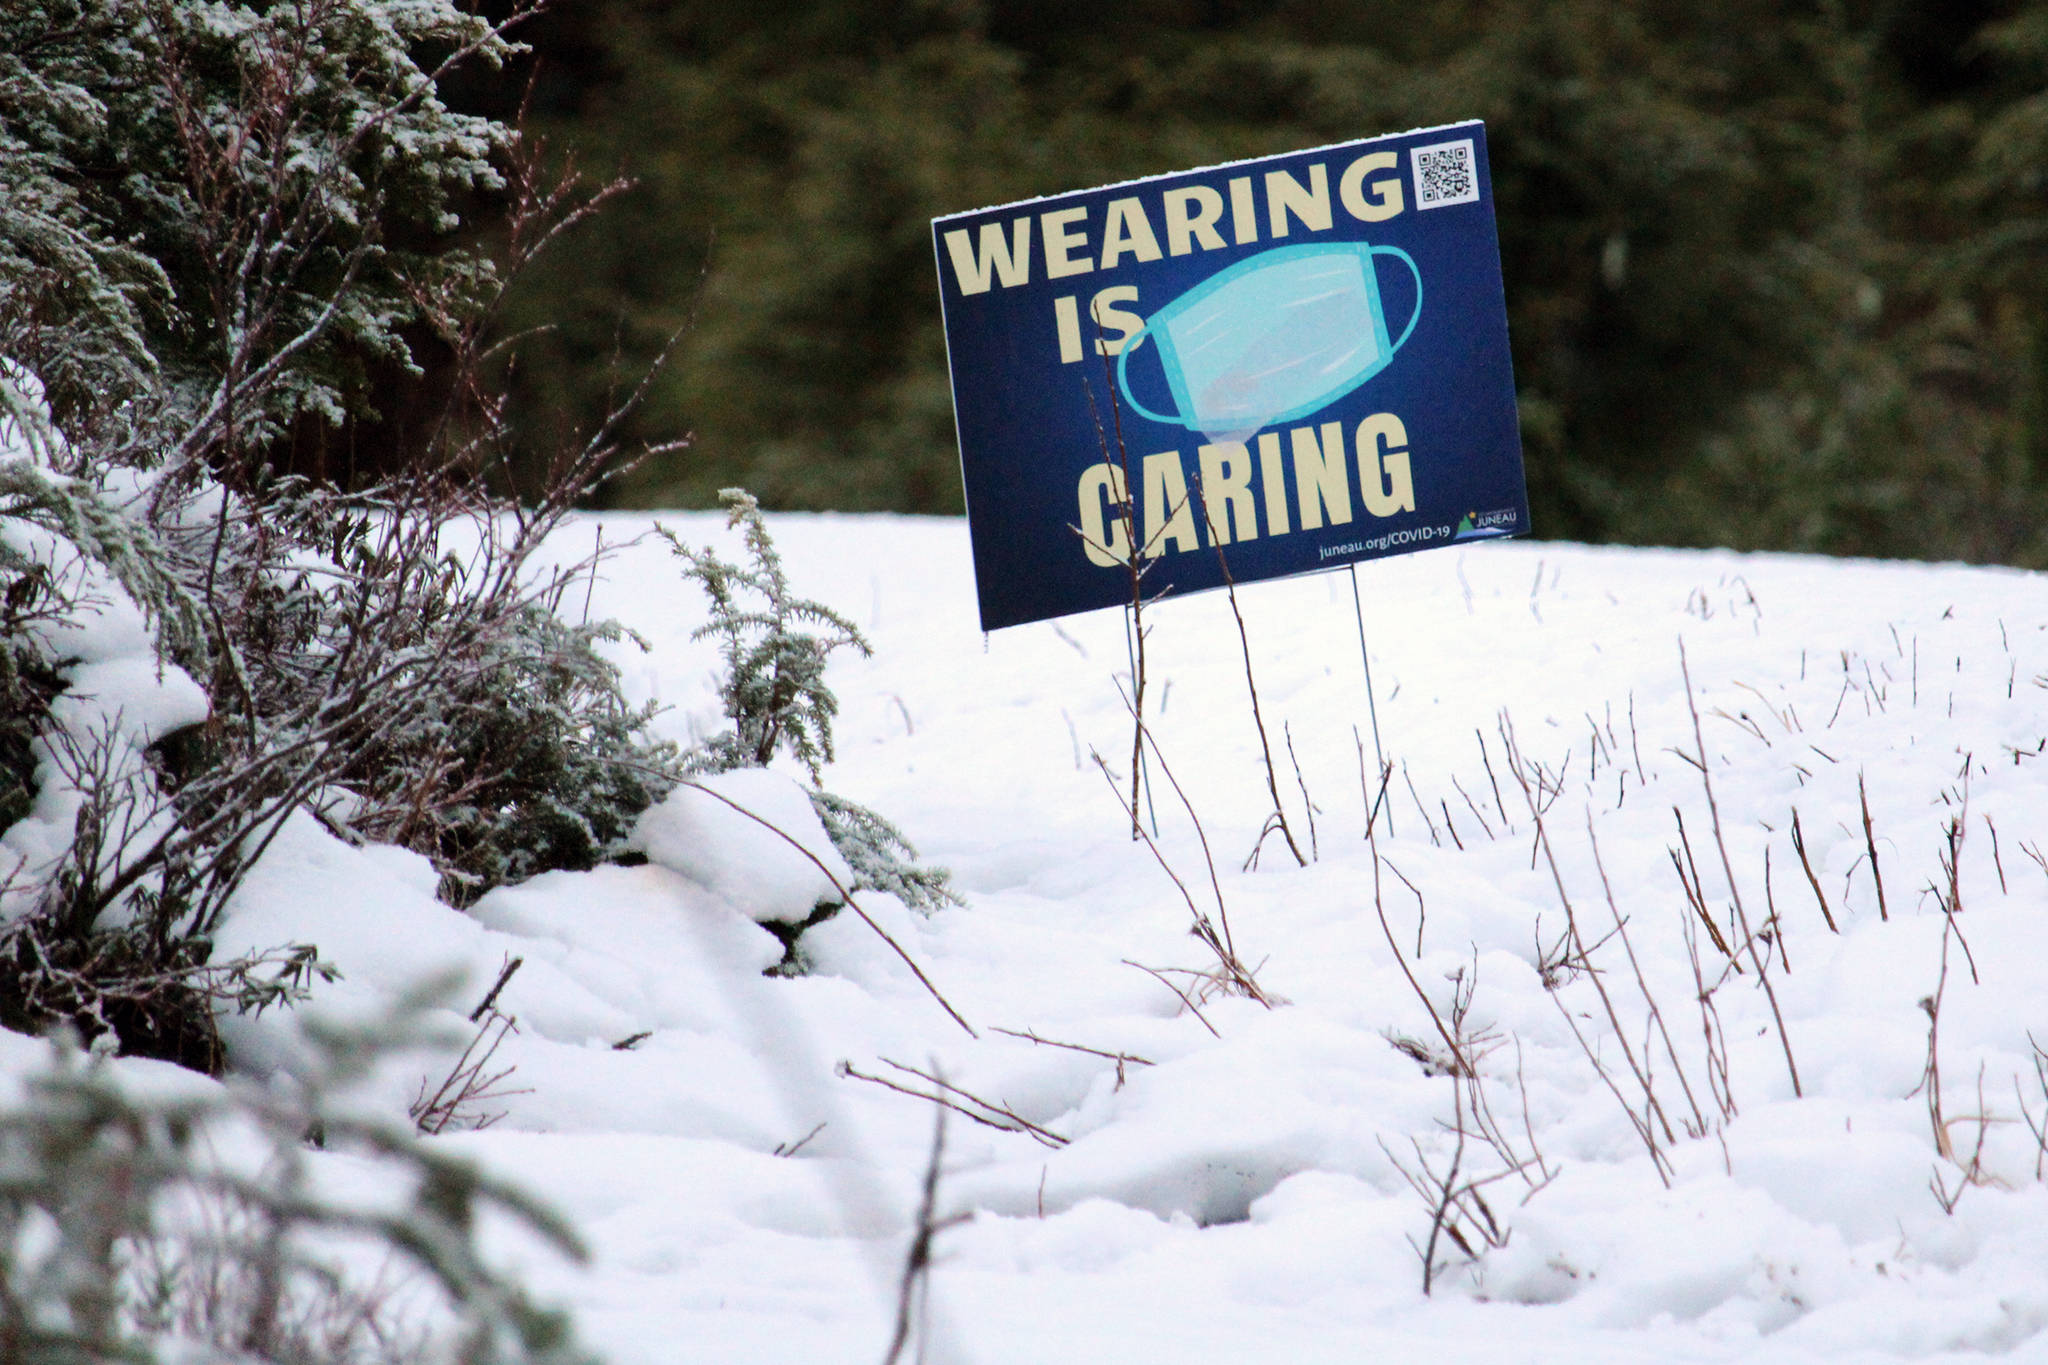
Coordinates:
(961, 1102)
(469, 1085)
(851, 903)
(1161, 977)
(1759, 961)
(1231, 971)
(1799, 847)
(1870, 844)
(1121, 1059)
(1537, 798)
(1279, 816)
(915, 1282)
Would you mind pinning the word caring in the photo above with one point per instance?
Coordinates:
(1242, 495)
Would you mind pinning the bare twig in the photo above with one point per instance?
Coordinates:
(1695, 894)
(1133, 558)
(1231, 969)
(1774, 930)
(1278, 820)
(1996, 861)
(1458, 1209)
(1122, 1059)
(915, 1283)
(1760, 962)
(1417, 798)
(1486, 759)
(1537, 793)
(2039, 1129)
(950, 1096)
(1157, 975)
(1462, 1065)
(1951, 856)
(1799, 847)
(1699, 1123)
(1972, 1169)
(846, 896)
(1471, 806)
(1208, 857)
(490, 1001)
(792, 1148)
(1870, 843)
(1373, 804)
(1439, 1218)
(2033, 851)
(1308, 806)
(469, 1085)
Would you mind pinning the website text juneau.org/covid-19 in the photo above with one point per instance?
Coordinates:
(1412, 535)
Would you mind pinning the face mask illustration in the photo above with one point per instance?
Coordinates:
(1273, 338)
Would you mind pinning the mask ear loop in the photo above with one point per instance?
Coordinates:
(1123, 359)
(1408, 261)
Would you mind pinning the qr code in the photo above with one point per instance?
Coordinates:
(1445, 174)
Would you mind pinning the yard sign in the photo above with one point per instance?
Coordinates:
(1300, 361)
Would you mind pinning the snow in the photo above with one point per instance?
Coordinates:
(115, 687)
(1235, 1183)
(734, 833)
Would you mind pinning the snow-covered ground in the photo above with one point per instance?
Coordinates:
(1243, 1183)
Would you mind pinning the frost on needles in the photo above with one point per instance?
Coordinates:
(295, 208)
(775, 646)
(381, 652)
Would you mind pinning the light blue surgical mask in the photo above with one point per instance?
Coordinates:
(1273, 338)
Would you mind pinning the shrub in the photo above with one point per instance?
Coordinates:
(774, 685)
(387, 659)
(220, 213)
(145, 1224)
(775, 695)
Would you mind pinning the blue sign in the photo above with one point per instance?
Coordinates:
(1254, 370)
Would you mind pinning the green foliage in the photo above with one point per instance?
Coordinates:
(67, 275)
(1773, 272)
(234, 208)
(774, 685)
(775, 696)
(881, 858)
(31, 598)
(131, 1230)
(534, 762)
(218, 217)
(81, 513)
(122, 989)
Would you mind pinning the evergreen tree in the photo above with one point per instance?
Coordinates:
(220, 215)
(232, 211)
(1698, 205)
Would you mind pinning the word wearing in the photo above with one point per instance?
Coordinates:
(1192, 218)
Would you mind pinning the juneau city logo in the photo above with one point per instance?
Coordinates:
(1483, 525)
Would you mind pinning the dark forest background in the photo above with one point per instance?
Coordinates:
(1777, 274)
